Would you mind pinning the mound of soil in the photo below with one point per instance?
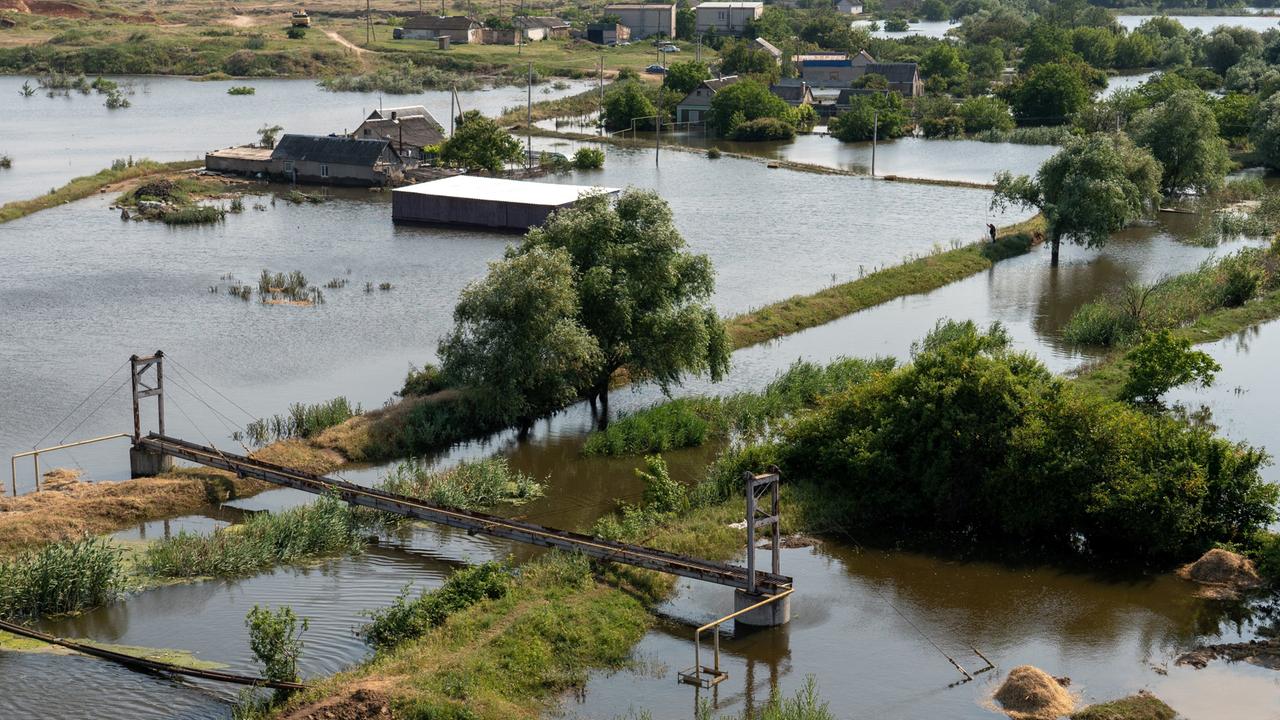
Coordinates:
(1223, 570)
(60, 479)
(1030, 693)
(156, 189)
(361, 704)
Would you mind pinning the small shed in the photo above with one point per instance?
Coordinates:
(485, 202)
(244, 160)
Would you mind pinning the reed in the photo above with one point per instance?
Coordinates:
(60, 578)
(470, 485)
(194, 215)
(325, 527)
(302, 420)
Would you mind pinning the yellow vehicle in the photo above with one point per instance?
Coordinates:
(301, 19)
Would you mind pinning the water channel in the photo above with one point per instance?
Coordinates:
(82, 290)
(1259, 19)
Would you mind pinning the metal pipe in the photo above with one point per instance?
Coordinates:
(13, 461)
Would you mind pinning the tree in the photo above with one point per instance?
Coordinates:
(1046, 44)
(1134, 50)
(276, 641)
(748, 98)
(739, 57)
(1047, 95)
(267, 136)
(478, 143)
(1092, 187)
(1235, 113)
(935, 10)
(943, 61)
(682, 77)
(625, 102)
(881, 114)
(1265, 133)
(985, 113)
(517, 342)
(641, 295)
(1162, 362)
(686, 23)
(1182, 134)
(1096, 45)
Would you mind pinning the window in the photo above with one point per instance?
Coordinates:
(288, 166)
(324, 171)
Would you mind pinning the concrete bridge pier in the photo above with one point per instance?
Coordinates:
(144, 462)
(774, 614)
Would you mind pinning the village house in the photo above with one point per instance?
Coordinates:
(904, 78)
(334, 160)
(542, 27)
(832, 70)
(726, 18)
(460, 29)
(794, 91)
(645, 20)
(849, 7)
(694, 107)
(409, 129)
(608, 33)
(762, 44)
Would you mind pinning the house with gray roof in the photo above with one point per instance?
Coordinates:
(334, 160)
(409, 129)
(460, 29)
(793, 90)
(695, 105)
(904, 77)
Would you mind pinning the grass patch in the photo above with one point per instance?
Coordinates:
(406, 619)
(470, 485)
(690, 422)
(61, 578)
(194, 215)
(302, 420)
(87, 185)
(325, 527)
(1143, 706)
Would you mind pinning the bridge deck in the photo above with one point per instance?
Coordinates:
(473, 522)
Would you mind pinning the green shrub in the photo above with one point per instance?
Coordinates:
(406, 619)
(241, 90)
(949, 126)
(194, 215)
(482, 483)
(422, 381)
(296, 33)
(1162, 362)
(975, 443)
(60, 578)
(761, 129)
(588, 158)
(255, 42)
(713, 154)
(276, 641)
(324, 527)
(1008, 246)
(674, 424)
(302, 421)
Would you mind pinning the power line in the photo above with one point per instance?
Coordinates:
(79, 405)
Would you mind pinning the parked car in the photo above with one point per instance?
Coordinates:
(669, 49)
(656, 69)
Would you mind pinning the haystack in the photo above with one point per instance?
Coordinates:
(1030, 693)
(60, 478)
(1223, 568)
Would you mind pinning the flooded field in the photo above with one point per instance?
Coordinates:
(83, 290)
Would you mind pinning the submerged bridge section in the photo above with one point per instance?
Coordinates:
(755, 582)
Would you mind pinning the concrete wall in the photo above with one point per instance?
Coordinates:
(647, 21)
(239, 166)
(725, 21)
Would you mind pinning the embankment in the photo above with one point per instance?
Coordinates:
(83, 187)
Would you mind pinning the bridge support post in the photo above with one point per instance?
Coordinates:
(146, 462)
(762, 488)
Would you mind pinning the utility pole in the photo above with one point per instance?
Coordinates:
(657, 136)
(368, 22)
(528, 123)
(874, 139)
(697, 54)
(453, 94)
(600, 82)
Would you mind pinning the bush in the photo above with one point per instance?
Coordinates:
(974, 442)
(60, 578)
(255, 42)
(713, 154)
(1008, 246)
(241, 90)
(1162, 362)
(943, 127)
(470, 485)
(984, 113)
(296, 33)
(302, 421)
(588, 158)
(194, 215)
(422, 381)
(1099, 324)
(406, 619)
(763, 129)
(276, 641)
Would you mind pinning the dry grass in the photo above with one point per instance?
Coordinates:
(94, 508)
(1030, 693)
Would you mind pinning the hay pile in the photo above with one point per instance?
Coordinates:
(60, 479)
(1030, 693)
(1223, 573)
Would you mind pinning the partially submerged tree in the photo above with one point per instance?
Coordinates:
(517, 342)
(640, 294)
(1092, 187)
(267, 135)
(479, 143)
(1162, 362)
(1182, 134)
(626, 102)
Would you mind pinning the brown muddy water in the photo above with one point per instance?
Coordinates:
(81, 291)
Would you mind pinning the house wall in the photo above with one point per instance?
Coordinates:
(238, 166)
(725, 21)
(315, 173)
(830, 73)
(647, 21)
(456, 37)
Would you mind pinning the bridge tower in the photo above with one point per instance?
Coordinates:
(762, 514)
(147, 379)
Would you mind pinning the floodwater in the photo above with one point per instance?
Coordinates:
(83, 290)
(926, 28)
(174, 118)
(1251, 18)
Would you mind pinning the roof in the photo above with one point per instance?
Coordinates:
(519, 192)
(400, 112)
(848, 93)
(715, 84)
(541, 21)
(822, 58)
(794, 93)
(337, 150)
(768, 47)
(416, 130)
(432, 22)
(640, 6)
(730, 5)
(244, 152)
(895, 72)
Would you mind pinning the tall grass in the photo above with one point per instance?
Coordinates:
(302, 421)
(803, 705)
(324, 527)
(59, 578)
(470, 485)
(194, 215)
(1123, 316)
(410, 618)
(689, 422)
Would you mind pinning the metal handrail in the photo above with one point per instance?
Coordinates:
(694, 674)
(35, 454)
